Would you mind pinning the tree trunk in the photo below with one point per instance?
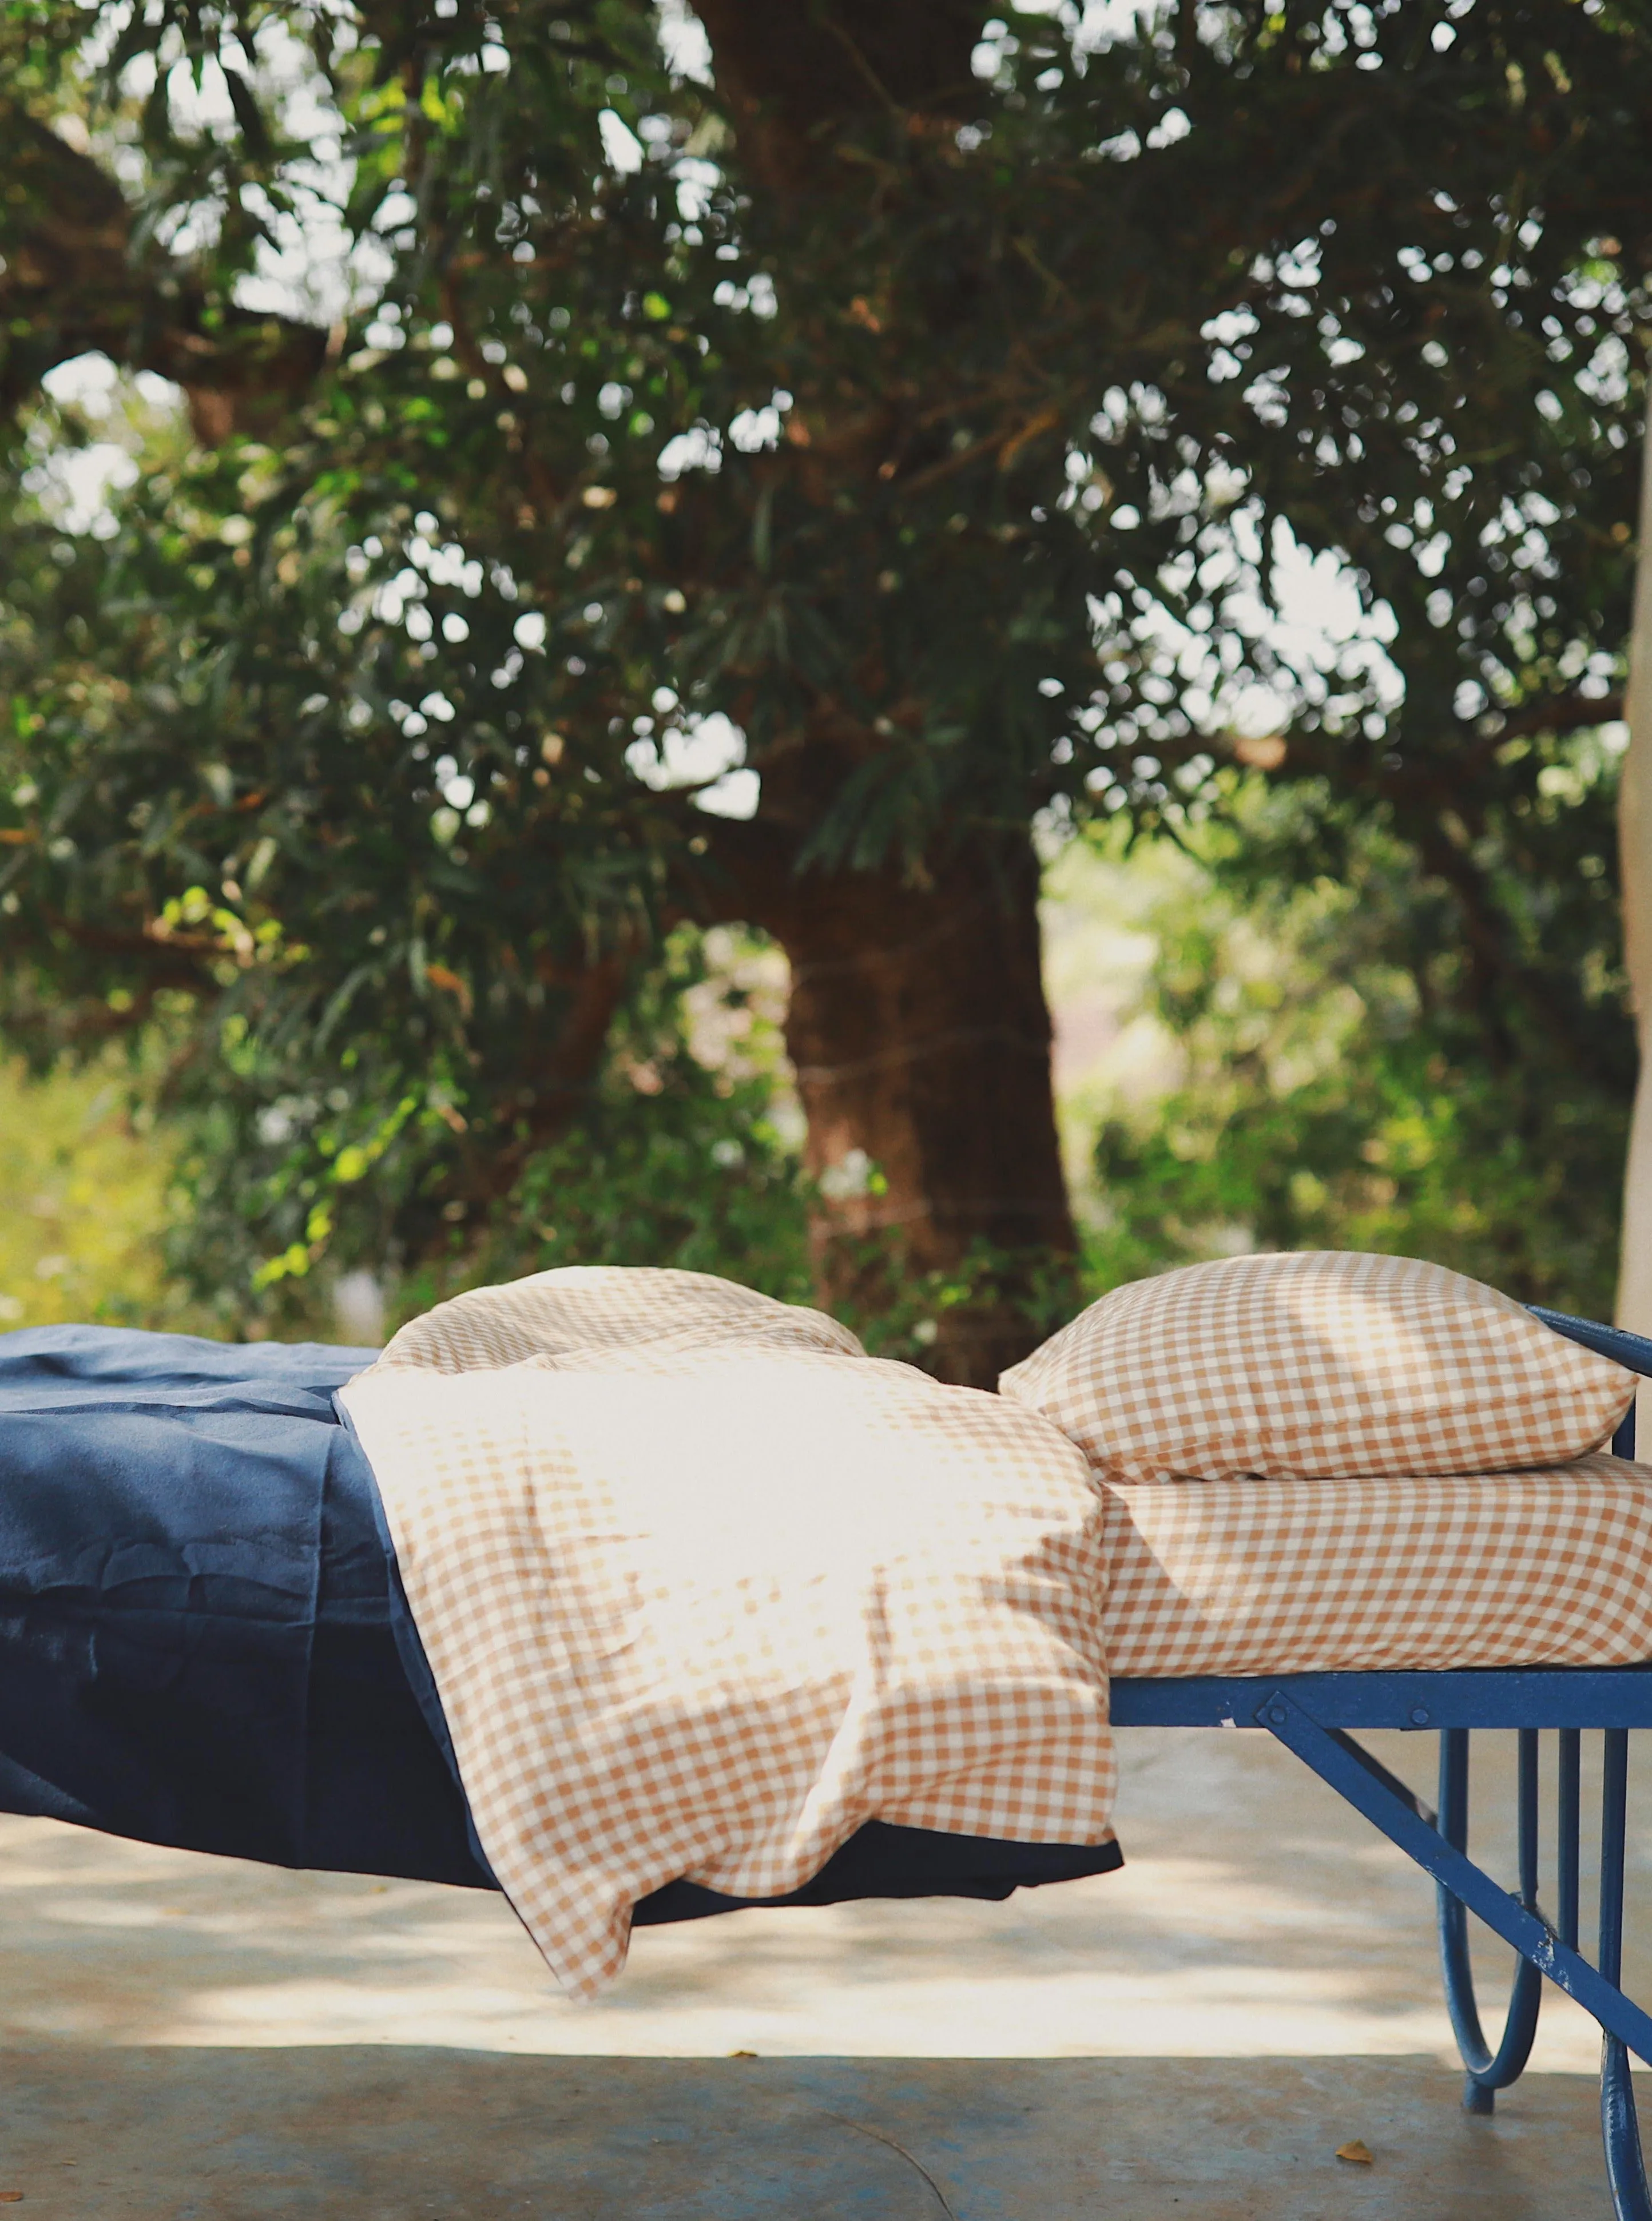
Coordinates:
(1635, 840)
(917, 1023)
(921, 1037)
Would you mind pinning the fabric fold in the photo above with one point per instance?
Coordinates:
(704, 1589)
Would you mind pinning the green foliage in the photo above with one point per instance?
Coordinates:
(900, 1313)
(674, 1158)
(683, 1176)
(676, 1161)
(1348, 1080)
(87, 1190)
(962, 482)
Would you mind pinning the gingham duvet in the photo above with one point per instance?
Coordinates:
(703, 1588)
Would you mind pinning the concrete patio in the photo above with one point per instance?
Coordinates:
(1191, 2039)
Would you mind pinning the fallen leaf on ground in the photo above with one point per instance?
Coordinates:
(10, 2197)
(1356, 2151)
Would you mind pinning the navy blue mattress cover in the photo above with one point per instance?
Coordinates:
(203, 1640)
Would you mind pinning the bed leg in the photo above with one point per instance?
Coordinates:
(1488, 2072)
(1369, 1788)
(1571, 1807)
(1620, 2129)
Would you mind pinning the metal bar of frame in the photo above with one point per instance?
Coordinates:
(1569, 1805)
(1487, 2071)
(1529, 1933)
(1568, 1697)
(1620, 2130)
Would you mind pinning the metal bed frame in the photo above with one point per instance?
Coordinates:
(1313, 1714)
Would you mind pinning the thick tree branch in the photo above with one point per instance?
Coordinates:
(793, 68)
(72, 283)
(1559, 713)
(734, 870)
(1317, 755)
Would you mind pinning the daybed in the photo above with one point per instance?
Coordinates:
(205, 1641)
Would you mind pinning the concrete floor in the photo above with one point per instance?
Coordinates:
(1190, 2040)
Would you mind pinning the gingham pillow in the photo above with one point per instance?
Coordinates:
(1317, 1364)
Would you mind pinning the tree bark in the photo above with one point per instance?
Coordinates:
(791, 69)
(921, 1038)
(918, 1024)
(1635, 844)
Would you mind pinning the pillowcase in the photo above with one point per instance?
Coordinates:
(1317, 1364)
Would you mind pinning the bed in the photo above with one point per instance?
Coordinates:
(205, 1642)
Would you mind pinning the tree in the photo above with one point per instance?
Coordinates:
(939, 400)
(1342, 1081)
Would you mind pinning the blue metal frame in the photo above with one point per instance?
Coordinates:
(1312, 1714)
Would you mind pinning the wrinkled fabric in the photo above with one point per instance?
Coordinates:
(204, 1641)
(1318, 1365)
(705, 1589)
(67, 1368)
(1396, 1572)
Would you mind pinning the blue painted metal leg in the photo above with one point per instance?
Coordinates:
(1620, 2130)
(1571, 1805)
(1625, 2168)
(1401, 1823)
(1514, 1916)
(1488, 2072)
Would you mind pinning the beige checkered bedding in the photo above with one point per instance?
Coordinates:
(1314, 1364)
(1253, 1576)
(597, 1314)
(703, 1588)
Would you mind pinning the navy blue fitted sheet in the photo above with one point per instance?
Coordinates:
(204, 1641)
(196, 1630)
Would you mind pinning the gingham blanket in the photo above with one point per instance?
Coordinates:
(704, 1587)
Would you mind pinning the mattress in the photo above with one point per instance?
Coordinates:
(1539, 1568)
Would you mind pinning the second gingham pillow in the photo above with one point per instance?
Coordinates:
(1314, 1364)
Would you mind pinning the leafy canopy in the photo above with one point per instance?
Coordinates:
(950, 453)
